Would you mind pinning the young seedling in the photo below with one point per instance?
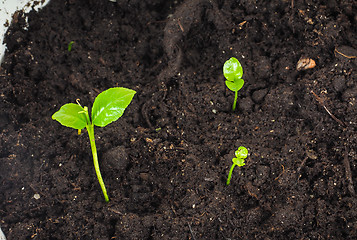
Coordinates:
(70, 46)
(108, 107)
(233, 72)
(241, 154)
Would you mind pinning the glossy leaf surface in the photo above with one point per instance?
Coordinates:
(110, 105)
(69, 115)
(232, 69)
(236, 85)
(239, 161)
(242, 152)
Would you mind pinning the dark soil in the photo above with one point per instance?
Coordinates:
(165, 162)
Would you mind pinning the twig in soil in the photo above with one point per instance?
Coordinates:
(280, 173)
(193, 236)
(115, 211)
(347, 165)
(179, 23)
(144, 110)
(154, 98)
(322, 103)
(299, 168)
(345, 55)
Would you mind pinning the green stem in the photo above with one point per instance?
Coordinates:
(90, 129)
(235, 101)
(230, 173)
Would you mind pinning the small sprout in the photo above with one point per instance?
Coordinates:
(70, 46)
(108, 107)
(241, 154)
(233, 72)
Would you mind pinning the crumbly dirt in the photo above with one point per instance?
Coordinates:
(166, 160)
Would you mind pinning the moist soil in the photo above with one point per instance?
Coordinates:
(165, 161)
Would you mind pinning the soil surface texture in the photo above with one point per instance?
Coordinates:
(165, 161)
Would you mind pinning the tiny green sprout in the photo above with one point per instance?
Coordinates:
(241, 154)
(70, 46)
(233, 72)
(108, 107)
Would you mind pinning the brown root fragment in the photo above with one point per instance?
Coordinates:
(322, 103)
(144, 113)
(347, 165)
(193, 235)
(346, 51)
(300, 167)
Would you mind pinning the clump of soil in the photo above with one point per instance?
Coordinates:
(165, 162)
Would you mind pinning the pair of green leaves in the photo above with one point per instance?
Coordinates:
(241, 154)
(233, 72)
(108, 107)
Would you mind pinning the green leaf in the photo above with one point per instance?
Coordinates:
(69, 115)
(242, 152)
(236, 85)
(232, 69)
(110, 105)
(239, 161)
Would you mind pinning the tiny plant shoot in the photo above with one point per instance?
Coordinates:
(233, 72)
(70, 46)
(241, 154)
(108, 107)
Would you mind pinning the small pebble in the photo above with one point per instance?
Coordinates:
(305, 63)
(339, 83)
(349, 93)
(36, 196)
(246, 104)
(117, 158)
(263, 68)
(259, 95)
